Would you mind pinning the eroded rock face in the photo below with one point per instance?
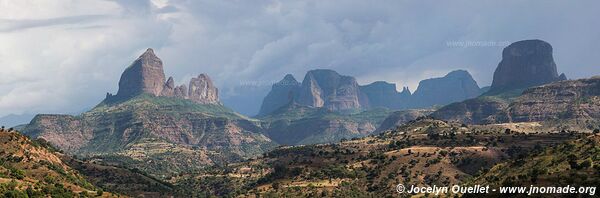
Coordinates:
(327, 88)
(564, 100)
(180, 91)
(144, 75)
(525, 64)
(384, 94)
(454, 87)
(281, 94)
(202, 90)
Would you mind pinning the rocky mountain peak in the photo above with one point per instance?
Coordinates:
(282, 93)
(289, 78)
(144, 75)
(525, 64)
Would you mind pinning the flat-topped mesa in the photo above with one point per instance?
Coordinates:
(525, 64)
(146, 76)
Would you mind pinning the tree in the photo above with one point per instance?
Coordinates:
(99, 192)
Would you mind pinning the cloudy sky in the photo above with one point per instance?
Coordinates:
(62, 56)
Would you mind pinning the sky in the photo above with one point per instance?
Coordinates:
(63, 56)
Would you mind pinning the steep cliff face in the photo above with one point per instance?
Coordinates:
(454, 87)
(384, 94)
(564, 100)
(525, 64)
(144, 75)
(281, 94)
(328, 89)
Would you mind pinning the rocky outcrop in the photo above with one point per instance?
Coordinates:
(328, 89)
(525, 64)
(565, 100)
(144, 75)
(281, 94)
(202, 90)
(454, 87)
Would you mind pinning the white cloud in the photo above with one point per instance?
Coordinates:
(63, 55)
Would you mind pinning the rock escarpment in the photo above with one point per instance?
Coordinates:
(525, 64)
(454, 87)
(573, 101)
(146, 76)
(328, 89)
(577, 100)
(384, 94)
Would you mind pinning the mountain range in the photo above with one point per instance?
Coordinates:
(326, 134)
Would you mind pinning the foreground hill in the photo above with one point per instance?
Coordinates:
(34, 169)
(424, 152)
(155, 126)
(574, 163)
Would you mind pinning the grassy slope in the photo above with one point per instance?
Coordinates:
(575, 163)
(34, 168)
